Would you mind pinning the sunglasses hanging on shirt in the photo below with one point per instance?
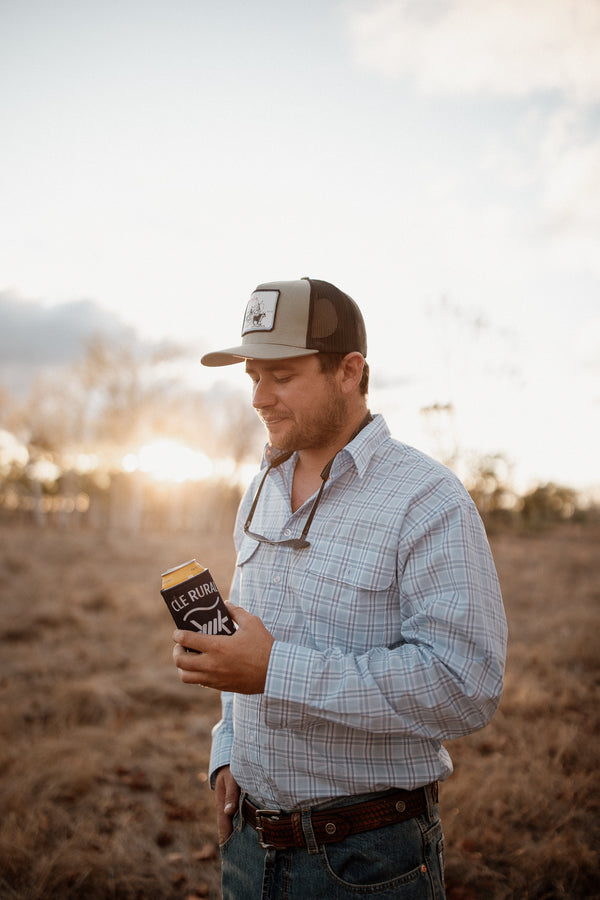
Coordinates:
(296, 543)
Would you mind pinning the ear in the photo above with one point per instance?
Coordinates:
(350, 371)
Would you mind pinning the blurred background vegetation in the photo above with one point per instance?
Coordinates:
(120, 439)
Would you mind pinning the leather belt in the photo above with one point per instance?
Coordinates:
(284, 829)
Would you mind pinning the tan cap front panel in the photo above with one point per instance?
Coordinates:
(274, 327)
(277, 313)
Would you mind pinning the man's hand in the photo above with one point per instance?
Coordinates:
(227, 795)
(236, 663)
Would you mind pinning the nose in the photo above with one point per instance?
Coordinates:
(262, 395)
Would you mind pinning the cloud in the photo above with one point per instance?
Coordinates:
(34, 337)
(32, 334)
(542, 51)
(570, 169)
(504, 47)
(552, 160)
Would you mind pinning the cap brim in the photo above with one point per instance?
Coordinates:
(232, 355)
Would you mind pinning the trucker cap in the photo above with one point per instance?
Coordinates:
(295, 318)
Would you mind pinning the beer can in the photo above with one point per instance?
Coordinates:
(194, 600)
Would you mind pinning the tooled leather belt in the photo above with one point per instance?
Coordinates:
(284, 829)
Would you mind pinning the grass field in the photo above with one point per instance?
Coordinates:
(103, 757)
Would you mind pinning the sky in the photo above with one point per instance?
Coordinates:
(439, 160)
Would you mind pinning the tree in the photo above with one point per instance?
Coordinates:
(488, 482)
(548, 503)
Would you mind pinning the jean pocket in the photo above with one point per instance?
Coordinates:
(236, 823)
(385, 859)
(441, 853)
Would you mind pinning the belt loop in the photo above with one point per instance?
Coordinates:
(307, 829)
(242, 820)
(431, 798)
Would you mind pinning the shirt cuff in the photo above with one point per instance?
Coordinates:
(217, 762)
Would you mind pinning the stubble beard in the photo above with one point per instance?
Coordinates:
(321, 430)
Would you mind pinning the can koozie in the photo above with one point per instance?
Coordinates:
(194, 600)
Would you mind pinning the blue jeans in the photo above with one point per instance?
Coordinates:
(403, 861)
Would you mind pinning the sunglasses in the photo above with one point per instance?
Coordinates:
(300, 543)
(295, 543)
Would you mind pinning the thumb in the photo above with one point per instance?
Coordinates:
(232, 797)
(237, 613)
(226, 787)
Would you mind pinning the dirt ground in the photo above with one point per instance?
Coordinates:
(104, 753)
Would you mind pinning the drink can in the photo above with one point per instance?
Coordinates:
(194, 600)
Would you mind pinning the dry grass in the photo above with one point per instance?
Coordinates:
(521, 812)
(104, 753)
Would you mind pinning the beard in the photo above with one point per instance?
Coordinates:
(320, 428)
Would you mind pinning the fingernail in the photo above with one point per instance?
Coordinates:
(229, 807)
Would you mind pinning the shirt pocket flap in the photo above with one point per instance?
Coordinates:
(247, 550)
(375, 571)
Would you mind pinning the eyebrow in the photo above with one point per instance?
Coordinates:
(274, 366)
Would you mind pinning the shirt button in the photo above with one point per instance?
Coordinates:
(276, 579)
(287, 532)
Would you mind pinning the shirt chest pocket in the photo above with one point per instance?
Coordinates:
(352, 596)
(344, 568)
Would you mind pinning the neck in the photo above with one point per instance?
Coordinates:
(313, 460)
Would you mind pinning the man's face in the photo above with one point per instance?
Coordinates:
(301, 407)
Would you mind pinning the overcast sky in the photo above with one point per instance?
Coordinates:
(438, 160)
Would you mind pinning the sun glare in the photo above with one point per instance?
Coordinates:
(166, 460)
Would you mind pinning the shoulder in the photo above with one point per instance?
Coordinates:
(425, 492)
(409, 466)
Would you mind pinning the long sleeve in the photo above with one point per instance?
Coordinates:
(222, 733)
(445, 677)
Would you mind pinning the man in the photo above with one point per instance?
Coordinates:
(370, 626)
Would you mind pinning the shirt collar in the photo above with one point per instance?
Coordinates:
(359, 451)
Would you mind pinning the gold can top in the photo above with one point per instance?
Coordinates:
(181, 573)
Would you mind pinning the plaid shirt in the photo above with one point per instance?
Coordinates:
(390, 634)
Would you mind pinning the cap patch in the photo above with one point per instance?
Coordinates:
(260, 312)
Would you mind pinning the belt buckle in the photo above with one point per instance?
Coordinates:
(273, 816)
